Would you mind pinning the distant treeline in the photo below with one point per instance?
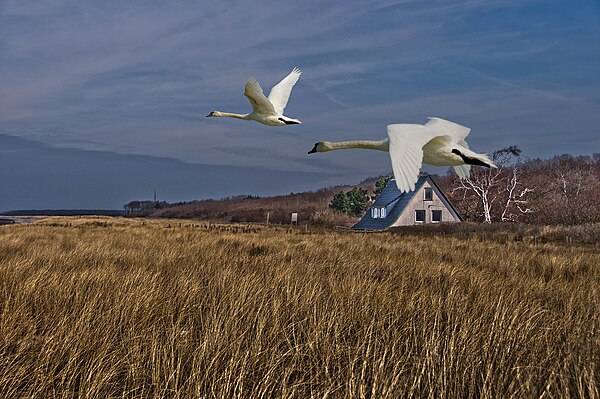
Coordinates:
(312, 208)
(64, 212)
(563, 190)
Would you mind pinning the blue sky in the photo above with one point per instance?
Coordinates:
(83, 80)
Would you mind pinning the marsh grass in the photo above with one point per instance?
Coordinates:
(105, 307)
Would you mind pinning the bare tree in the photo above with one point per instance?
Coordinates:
(562, 190)
(574, 182)
(517, 202)
(487, 185)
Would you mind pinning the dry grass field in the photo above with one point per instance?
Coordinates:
(116, 308)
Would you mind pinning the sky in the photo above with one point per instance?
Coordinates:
(103, 102)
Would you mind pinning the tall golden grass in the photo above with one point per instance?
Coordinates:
(100, 308)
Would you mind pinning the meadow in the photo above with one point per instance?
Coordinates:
(119, 308)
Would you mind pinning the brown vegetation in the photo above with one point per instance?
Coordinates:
(312, 208)
(564, 190)
(507, 232)
(104, 307)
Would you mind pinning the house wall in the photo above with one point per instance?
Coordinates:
(407, 217)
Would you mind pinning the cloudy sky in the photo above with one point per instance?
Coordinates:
(101, 102)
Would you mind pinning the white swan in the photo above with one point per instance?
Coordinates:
(439, 143)
(267, 110)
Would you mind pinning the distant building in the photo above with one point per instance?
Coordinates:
(426, 204)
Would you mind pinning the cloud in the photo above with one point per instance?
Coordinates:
(133, 78)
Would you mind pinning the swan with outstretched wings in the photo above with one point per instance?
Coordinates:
(267, 110)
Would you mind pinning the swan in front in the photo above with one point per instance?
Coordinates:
(267, 110)
(439, 143)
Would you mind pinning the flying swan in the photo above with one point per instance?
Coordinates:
(439, 143)
(267, 110)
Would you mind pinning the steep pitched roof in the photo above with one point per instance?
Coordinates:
(444, 199)
(394, 201)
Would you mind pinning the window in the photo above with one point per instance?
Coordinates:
(428, 194)
(378, 212)
(420, 216)
(436, 215)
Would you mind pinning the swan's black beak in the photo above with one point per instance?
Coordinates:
(211, 114)
(314, 149)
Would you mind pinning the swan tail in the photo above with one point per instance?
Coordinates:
(472, 158)
(463, 171)
(483, 158)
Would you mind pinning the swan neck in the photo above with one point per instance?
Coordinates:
(381, 145)
(232, 115)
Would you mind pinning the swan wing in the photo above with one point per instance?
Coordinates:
(406, 152)
(280, 93)
(457, 132)
(260, 103)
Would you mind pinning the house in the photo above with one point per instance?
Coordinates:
(426, 204)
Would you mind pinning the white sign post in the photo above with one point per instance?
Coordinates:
(294, 218)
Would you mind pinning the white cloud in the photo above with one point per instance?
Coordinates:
(135, 78)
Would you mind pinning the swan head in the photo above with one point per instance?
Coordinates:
(321, 146)
(214, 113)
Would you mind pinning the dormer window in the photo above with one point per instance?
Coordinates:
(428, 194)
(378, 212)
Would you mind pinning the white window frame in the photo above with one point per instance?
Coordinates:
(375, 213)
(424, 215)
(378, 212)
(441, 216)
